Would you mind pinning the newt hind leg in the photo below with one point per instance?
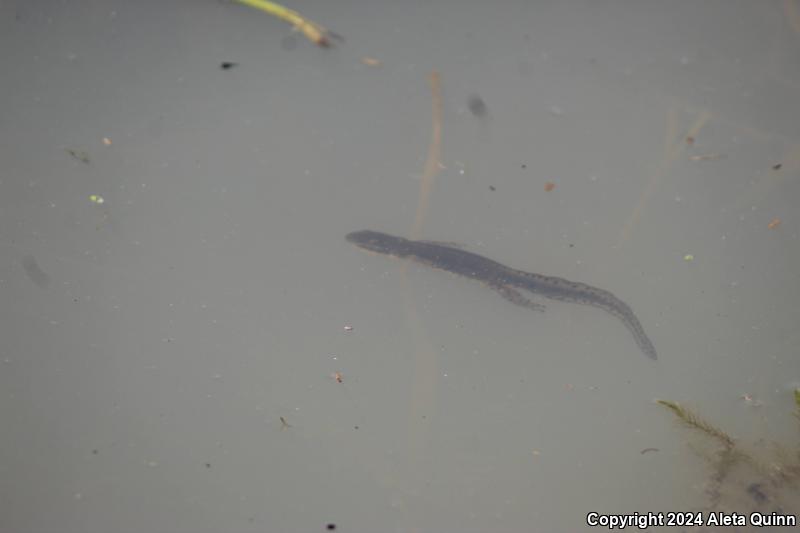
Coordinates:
(514, 296)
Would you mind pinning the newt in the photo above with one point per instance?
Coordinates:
(505, 280)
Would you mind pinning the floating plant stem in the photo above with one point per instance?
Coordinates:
(316, 33)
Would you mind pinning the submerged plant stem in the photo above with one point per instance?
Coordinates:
(694, 420)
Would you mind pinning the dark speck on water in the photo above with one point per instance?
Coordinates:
(34, 272)
(477, 106)
(227, 65)
(754, 490)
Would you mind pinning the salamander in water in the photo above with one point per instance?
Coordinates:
(503, 279)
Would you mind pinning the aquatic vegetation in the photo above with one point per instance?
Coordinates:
(797, 403)
(744, 479)
(693, 420)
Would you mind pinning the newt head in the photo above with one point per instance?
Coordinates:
(382, 243)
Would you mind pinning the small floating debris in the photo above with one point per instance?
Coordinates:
(774, 223)
(649, 450)
(688, 258)
(285, 424)
(106, 141)
(227, 65)
(79, 155)
(371, 61)
(348, 328)
(777, 167)
(705, 157)
(96, 199)
(751, 401)
(338, 377)
(690, 140)
(549, 186)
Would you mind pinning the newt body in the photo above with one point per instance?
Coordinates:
(505, 280)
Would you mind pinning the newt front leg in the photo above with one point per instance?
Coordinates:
(513, 295)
